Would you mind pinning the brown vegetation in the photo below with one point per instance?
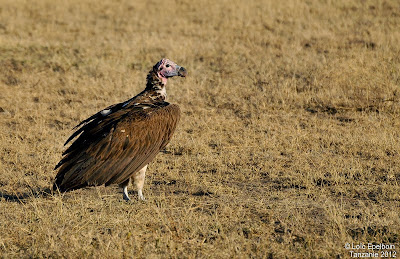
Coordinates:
(288, 144)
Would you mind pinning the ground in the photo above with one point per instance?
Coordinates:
(288, 146)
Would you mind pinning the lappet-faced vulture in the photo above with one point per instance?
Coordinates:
(116, 144)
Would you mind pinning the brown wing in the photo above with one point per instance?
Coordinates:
(111, 149)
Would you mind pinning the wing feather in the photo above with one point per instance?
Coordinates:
(111, 149)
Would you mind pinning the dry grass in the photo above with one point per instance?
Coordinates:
(288, 144)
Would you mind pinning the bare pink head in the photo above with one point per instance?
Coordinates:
(166, 68)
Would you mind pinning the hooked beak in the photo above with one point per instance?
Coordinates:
(181, 71)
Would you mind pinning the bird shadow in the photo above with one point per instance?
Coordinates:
(23, 197)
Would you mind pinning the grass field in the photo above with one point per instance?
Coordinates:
(288, 146)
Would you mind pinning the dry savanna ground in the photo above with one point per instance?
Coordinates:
(288, 146)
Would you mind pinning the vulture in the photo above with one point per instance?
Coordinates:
(115, 145)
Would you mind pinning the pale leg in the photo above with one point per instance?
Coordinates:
(124, 187)
(138, 180)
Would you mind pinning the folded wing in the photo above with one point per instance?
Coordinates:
(113, 145)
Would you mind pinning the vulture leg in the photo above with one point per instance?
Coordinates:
(138, 180)
(124, 187)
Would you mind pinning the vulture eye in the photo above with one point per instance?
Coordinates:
(167, 65)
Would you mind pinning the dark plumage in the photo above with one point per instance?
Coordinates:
(117, 143)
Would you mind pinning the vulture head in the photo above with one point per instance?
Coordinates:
(166, 68)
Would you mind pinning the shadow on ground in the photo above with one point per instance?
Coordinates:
(23, 197)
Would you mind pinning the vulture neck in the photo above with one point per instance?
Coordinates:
(155, 86)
